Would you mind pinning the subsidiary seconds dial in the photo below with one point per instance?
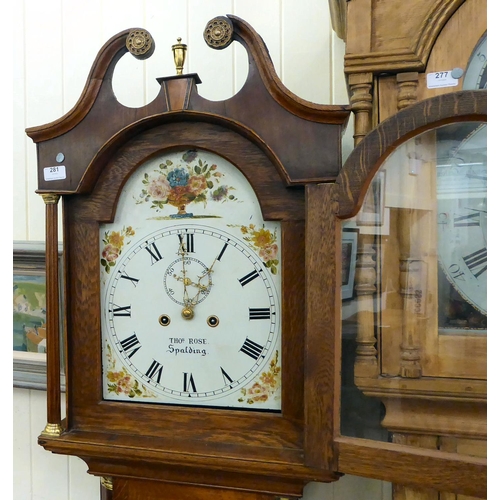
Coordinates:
(193, 313)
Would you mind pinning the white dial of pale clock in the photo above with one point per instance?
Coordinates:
(462, 219)
(475, 77)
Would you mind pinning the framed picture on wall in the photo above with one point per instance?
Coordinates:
(373, 210)
(29, 316)
(349, 251)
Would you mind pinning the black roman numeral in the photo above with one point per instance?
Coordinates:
(121, 310)
(477, 176)
(259, 313)
(189, 385)
(189, 245)
(248, 278)
(125, 276)
(227, 379)
(154, 252)
(222, 252)
(251, 348)
(467, 220)
(475, 261)
(131, 345)
(456, 273)
(155, 370)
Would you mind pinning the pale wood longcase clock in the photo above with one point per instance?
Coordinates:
(414, 191)
(198, 281)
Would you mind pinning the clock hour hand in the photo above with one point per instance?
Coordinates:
(201, 286)
(189, 303)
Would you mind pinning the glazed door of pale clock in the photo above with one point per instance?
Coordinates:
(461, 190)
(434, 194)
(191, 288)
(433, 254)
(419, 304)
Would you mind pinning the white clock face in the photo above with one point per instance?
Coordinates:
(190, 289)
(462, 218)
(475, 77)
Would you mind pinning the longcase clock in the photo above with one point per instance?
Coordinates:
(198, 281)
(415, 320)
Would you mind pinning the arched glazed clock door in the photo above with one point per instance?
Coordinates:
(414, 315)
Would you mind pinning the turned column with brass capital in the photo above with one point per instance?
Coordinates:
(53, 427)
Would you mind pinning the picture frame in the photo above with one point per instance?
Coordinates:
(29, 292)
(373, 210)
(349, 252)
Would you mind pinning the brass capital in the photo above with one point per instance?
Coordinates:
(50, 198)
(107, 482)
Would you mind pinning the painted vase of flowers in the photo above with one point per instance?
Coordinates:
(191, 180)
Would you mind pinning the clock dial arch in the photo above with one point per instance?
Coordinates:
(242, 148)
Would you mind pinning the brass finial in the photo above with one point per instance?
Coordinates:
(179, 50)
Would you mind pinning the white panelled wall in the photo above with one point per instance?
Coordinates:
(56, 42)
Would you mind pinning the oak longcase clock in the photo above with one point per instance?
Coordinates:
(198, 284)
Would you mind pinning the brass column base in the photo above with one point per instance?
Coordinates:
(52, 430)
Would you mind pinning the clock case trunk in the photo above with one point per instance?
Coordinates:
(278, 142)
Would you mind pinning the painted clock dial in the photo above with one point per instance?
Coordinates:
(190, 288)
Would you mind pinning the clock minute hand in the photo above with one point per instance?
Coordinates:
(201, 287)
(182, 251)
(187, 311)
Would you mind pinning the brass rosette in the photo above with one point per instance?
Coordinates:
(140, 43)
(218, 33)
